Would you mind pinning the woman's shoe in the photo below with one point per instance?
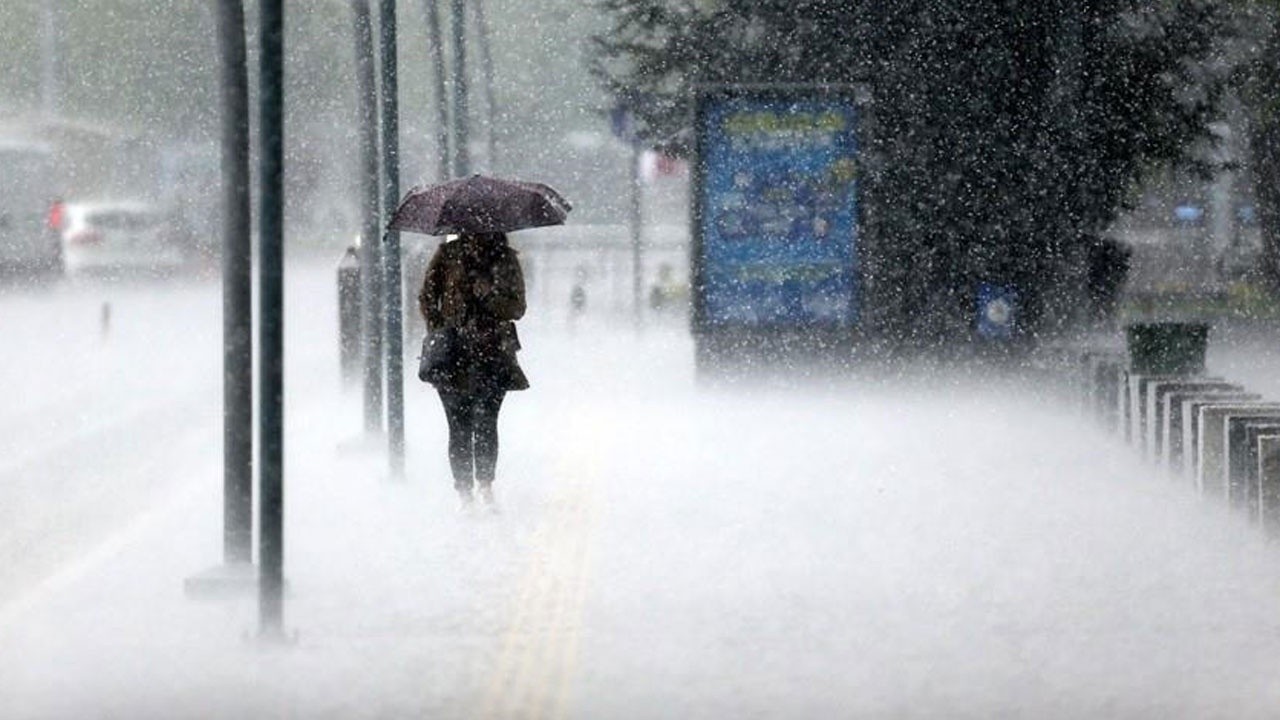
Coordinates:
(466, 502)
(486, 498)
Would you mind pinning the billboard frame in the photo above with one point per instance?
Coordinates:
(718, 341)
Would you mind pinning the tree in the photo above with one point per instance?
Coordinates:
(1260, 86)
(1005, 134)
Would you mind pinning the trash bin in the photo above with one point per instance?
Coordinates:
(349, 315)
(1167, 348)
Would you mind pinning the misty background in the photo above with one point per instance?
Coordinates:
(1004, 143)
(142, 78)
(903, 539)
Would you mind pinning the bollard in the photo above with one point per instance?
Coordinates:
(1191, 429)
(1106, 378)
(1172, 448)
(1122, 405)
(104, 320)
(349, 315)
(1139, 388)
(1268, 470)
(1211, 458)
(1081, 378)
(1242, 456)
(1155, 413)
(1237, 456)
(1094, 366)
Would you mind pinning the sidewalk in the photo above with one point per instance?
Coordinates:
(950, 550)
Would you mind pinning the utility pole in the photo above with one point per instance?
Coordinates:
(390, 106)
(271, 325)
(461, 112)
(370, 254)
(444, 154)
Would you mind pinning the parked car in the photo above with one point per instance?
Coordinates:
(29, 241)
(120, 237)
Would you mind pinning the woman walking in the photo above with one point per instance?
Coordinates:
(474, 287)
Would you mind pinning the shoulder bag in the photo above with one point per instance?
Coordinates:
(441, 354)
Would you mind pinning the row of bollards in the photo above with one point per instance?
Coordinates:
(1209, 432)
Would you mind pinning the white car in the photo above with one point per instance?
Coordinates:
(119, 238)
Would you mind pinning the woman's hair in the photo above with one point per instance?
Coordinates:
(485, 246)
(492, 237)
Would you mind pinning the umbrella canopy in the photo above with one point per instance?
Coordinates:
(479, 204)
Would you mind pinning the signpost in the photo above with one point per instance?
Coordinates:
(775, 219)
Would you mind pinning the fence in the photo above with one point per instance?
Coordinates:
(1208, 433)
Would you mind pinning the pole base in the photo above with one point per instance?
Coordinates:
(272, 638)
(221, 581)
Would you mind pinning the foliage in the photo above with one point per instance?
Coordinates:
(1006, 134)
(1259, 83)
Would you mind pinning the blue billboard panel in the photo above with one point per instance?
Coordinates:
(778, 211)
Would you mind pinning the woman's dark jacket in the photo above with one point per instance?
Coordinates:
(475, 285)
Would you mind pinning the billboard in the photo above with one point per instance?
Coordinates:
(776, 209)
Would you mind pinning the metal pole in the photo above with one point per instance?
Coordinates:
(444, 155)
(634, 225)
(391, 239)
(271, 326)
(486, 67)
(237, 291)
(461, 113)
(50, 59)
(370, 262)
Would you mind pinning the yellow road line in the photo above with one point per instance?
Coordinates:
(569, 660)
(534, 674)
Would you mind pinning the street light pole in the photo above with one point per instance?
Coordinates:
(271, 326)
(390, 107)
(237, 291)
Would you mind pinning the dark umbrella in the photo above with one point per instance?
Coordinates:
(479, 204)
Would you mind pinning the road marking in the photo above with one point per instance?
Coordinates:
(533, 678)
(183, 499)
